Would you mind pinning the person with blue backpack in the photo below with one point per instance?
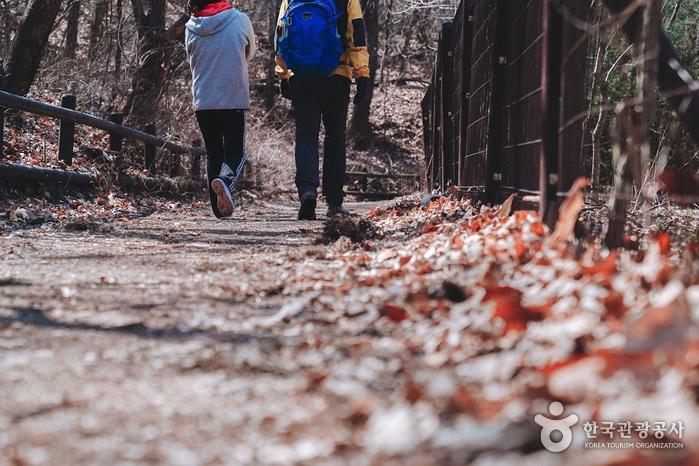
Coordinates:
(320, 47)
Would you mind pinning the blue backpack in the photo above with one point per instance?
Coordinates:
(311, 45)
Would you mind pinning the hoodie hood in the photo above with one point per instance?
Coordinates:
(209, 25)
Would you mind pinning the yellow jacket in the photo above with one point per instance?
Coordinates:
(354, 61)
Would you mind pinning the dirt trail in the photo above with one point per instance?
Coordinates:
(145, 343)
(177, 339)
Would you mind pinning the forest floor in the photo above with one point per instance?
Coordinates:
(432, 336)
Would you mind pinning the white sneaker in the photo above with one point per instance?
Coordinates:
(224, 199)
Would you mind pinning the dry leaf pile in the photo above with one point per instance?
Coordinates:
(462, 323)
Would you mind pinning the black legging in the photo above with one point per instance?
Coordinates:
(224, 137)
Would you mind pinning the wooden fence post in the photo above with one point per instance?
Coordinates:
(149, 151)
(196, 160)
(174, 165)
(2, 113)
(66, 132)
(116, 141)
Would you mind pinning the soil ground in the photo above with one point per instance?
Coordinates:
(144, 342)
(177, 339)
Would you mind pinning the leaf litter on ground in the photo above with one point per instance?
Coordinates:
(487, 316)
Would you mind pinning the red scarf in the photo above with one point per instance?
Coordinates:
(213, 9)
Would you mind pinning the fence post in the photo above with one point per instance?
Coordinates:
(116, 141)
(551, 59)
(436, 122)
(66, 132)
(2, 113)
(427, 134)
(446, 95)
(196, 160)
(174, 165)
(465, 97)
(149, 151)
(495, 124)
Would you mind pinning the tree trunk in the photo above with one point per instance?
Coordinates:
(7, 26)
(30, 41)
(155, 49)
(361, 128)
(71, 43)
(632, 145)
(119, 33)
(147, 81)
(647, 83)
(99, 14)
(271, 78)
(601, 87)
(597, 135)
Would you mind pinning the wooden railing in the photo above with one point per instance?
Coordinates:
(69, 117)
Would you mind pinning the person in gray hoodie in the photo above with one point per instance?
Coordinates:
(220, 42)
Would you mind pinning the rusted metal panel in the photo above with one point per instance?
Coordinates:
(521, 131)
(517, 79)
(446, 50)
(437, 149)
(461, 33)
(473, 165)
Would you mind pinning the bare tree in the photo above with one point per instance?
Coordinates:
(156, 45)
(270, 78)
(633, 124)
(99, 15)
(119, 18)
(30, 41)
(71, 42)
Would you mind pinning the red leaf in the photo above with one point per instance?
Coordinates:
(570, 210)
(614, 303)
(664, 242)
(606, 267)
(431, 228)
(613, 361)
(506, 207)
(396, 313)
(413, 392)
(682, 185)
(508, 307)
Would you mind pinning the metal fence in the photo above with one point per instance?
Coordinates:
(501, 112)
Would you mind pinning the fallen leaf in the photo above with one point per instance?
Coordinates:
(506, 207)
(568, 214)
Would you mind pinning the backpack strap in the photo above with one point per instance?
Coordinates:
(342, 6)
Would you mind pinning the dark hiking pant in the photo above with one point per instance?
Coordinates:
(316, 100)
(224, 137)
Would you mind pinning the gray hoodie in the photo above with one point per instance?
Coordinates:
(219, 49)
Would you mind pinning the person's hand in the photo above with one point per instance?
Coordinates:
(362, 90)
(286, 90)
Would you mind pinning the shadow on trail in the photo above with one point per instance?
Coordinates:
(37, 318)
(232, 236)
